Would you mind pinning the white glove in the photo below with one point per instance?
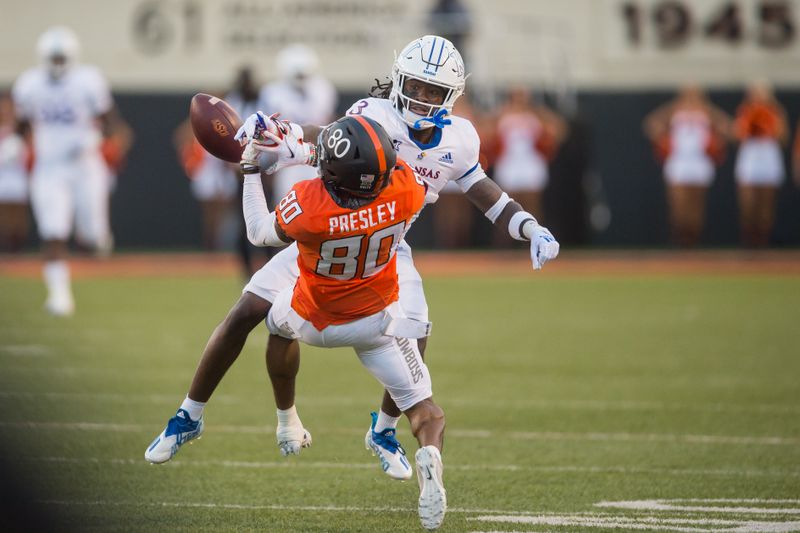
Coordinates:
(544, 246)
(280, 142)
(291, 439)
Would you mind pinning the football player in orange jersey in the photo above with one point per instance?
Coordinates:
(347, 224)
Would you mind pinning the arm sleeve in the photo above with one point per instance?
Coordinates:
(259, 221)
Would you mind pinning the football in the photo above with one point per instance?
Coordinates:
(214, 123)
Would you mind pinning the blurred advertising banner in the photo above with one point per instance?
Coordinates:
(179, 45)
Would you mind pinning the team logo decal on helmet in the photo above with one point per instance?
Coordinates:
(434, 60)
(356, 156)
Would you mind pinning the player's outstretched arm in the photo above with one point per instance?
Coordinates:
(504, 212)
(262, 227)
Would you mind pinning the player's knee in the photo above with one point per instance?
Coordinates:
(247, 313)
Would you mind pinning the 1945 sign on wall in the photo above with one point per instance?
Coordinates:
(671, 24)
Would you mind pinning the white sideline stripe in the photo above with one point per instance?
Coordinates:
(279, 507)
(25, 350)
(665, 505)
(590, 405)
(467, 434)
(581, 520)
(655, 437)
(646, 523)
(450, 467)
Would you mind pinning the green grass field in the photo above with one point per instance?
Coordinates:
(572, 403)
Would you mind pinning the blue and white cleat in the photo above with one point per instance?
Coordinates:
(389, 451)
(432, 496)
(180, 430)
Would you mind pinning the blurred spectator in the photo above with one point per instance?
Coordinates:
(214, 182)
(527, 137)
(14, 156)
(689, 135)
(451, 20)
(300, 95)
(761, 128)
(243, 97)
(69, 110)
(453, 216)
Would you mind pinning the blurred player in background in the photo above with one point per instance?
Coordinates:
(761, 129)
(427, 78)
(689, 135)
(69, 110)
(301, 95)
(14, 158)
(527, 136)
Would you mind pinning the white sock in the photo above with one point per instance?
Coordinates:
(385, 421)
(195, 409)
(288, 417)
(56, 277)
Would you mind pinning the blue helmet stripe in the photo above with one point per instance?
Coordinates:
(433, 47)
(439, 60)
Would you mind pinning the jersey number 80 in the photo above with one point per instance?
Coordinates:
(339, 258)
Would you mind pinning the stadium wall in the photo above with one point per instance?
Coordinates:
(152, 206)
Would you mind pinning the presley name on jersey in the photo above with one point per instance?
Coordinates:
(452, 154)
(347, 260)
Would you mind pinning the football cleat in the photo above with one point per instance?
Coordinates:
(432, 496)
(292, 439)
(180, 430)
(60, 304)
(389, 451)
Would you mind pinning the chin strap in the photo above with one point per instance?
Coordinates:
(438, 119)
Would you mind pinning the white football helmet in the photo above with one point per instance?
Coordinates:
(434, 60)
(296, 62)
(58, 50)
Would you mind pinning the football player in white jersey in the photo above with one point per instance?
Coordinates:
(427, 78)
(301, 95)
(68, 109)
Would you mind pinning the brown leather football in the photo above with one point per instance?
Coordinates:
(214, 123)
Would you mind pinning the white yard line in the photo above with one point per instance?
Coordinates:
(581, 520)
(677, 505)
(646, 523)
(463, 434)
(450, 466)
(471, 402)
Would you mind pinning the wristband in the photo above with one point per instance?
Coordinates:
(517, 222)
(494, 212)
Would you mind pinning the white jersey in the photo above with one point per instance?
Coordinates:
(63, 111)
(452, 154)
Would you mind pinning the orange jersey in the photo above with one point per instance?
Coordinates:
(347, 261)
(757, 120)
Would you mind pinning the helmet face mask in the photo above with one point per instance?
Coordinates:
(433, 60)
(58, 50)
(356, 156)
